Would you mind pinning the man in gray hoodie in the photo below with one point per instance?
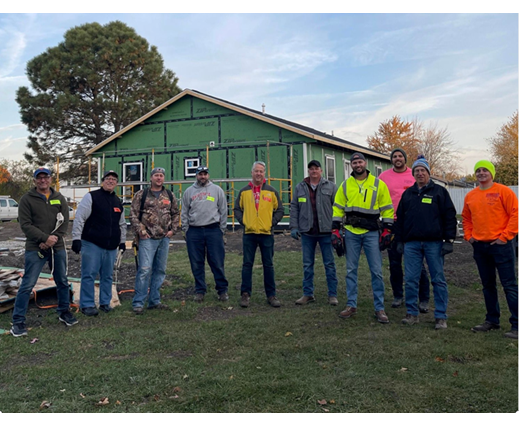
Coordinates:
(204, 221)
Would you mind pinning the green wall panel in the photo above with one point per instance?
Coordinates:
(196, 133)
(240, 162)
(161, 160)
(288, 136)
(141, 137)
(176, 111)
(243, 128)
(218, 164)
(203, 108)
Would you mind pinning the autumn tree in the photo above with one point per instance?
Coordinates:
(415, 138)
(395, 133)
(19, 177)
(503, 147)
(5, 176)
(96, 81)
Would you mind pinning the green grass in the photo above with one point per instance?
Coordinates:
(222, 358)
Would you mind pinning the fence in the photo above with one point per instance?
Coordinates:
(458, 196)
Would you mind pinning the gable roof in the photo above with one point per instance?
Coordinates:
(280, 122)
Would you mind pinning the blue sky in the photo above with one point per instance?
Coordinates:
(344, 73)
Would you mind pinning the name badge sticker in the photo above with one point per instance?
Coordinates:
(210, 198)
(427, 200)
(52, 202)
(301, 200)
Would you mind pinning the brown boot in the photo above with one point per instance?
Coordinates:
(245, 300)
(381, 317)
(305, 299)
(348, 312)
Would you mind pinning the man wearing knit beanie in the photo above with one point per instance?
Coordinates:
(490, 225)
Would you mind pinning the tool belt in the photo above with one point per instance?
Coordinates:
(371, 224)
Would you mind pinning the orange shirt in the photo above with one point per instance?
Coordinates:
(489, 214)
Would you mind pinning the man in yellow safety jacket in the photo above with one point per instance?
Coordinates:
(361, 201)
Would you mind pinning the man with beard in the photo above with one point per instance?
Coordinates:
(204, 222)
(154, 218)
(361, 201)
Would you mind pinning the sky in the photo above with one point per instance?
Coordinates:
(340, 72)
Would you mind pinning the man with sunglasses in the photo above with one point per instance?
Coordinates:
(154, 221)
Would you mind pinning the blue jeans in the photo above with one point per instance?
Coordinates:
(153, 257)
(490, 257)
(96, 261)
(201, 241)
(266, 245)
(414, 253)
(308, 243)
(396, 277)
(33, 266)
(354, 245)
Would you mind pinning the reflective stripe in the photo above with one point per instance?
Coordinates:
(361, 210)
(387, 220)
(375, 193)
(389, 206)
(339, 206)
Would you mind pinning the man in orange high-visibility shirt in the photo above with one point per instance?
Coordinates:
(490, 225)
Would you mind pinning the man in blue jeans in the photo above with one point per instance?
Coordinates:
(154, 219)
(204, 222)
(311, 212)
(426, 227)
(99, 229)
(43, 218)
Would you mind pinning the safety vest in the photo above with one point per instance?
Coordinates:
(359, 204)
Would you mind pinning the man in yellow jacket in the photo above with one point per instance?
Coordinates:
(361, 201)
(258, 208)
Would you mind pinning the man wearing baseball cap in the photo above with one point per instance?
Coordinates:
(490, 225)
(99, 230)
(43, 217)
(204, 222)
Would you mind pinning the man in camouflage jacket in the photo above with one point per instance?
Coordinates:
(154, 226)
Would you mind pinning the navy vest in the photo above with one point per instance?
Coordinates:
(102, 227)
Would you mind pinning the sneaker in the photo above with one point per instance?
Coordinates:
(224, 297)
(410, 319)
(138, 310)
(19, 329)
(397, 302)
(274, 302)
(348, 312)
(423, 307)
(89, 312)
(512, 334)
(245, 300)
(381, 317)
(333, 301)
(67, 318)
(486, 326)
(199, 297)
(305, 300)
(440, 324)
(105, 308)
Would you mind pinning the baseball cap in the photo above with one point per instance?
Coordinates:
(202, 169)
(357, 156)
(110, 173)
(314, 163)
(41, 170)
(158, 170)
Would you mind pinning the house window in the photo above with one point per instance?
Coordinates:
(190, 165)
(132, 172)
(330, 168)
(378, 170)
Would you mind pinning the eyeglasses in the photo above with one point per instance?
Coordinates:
(45, 177)
(110, 179)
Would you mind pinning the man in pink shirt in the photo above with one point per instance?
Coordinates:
(398, 179)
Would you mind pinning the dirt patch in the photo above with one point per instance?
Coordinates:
(460, 268)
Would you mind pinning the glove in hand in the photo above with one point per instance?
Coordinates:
(295, 234)
(76, 246)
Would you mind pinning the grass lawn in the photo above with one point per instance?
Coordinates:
(215, 357)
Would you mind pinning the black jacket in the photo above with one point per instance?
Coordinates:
(426, 216)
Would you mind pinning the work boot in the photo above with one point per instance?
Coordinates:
(90, 311)
(348, 312)
(274, 302)
(441, 324)
(410, 319)
(512, 334)
(160, 306)
(138, 310)
(199, 297)
(333, 301)
(245, 300)
(105, 308)
(224, 297)
(397, 302)
(423, 307)
(381, 317)
(305, 300)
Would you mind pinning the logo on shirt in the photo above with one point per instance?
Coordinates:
(117, 210)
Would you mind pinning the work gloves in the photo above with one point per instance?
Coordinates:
(385, 239)
(337, 242)
(122, 247)
(295, 234)
(76, 246)
(447, 248)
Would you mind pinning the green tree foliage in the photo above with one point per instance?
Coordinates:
(94, 83)
(504, 148)
(18, 178)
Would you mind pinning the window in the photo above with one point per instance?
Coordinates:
(378, 170)
(13, 203)
(3, 203)
(132, 172)
(330, 168)
(190, 165)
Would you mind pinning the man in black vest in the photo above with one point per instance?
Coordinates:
(99, 228)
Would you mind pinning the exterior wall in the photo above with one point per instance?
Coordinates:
(184, 131)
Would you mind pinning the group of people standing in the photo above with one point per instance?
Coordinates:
(402, 210)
